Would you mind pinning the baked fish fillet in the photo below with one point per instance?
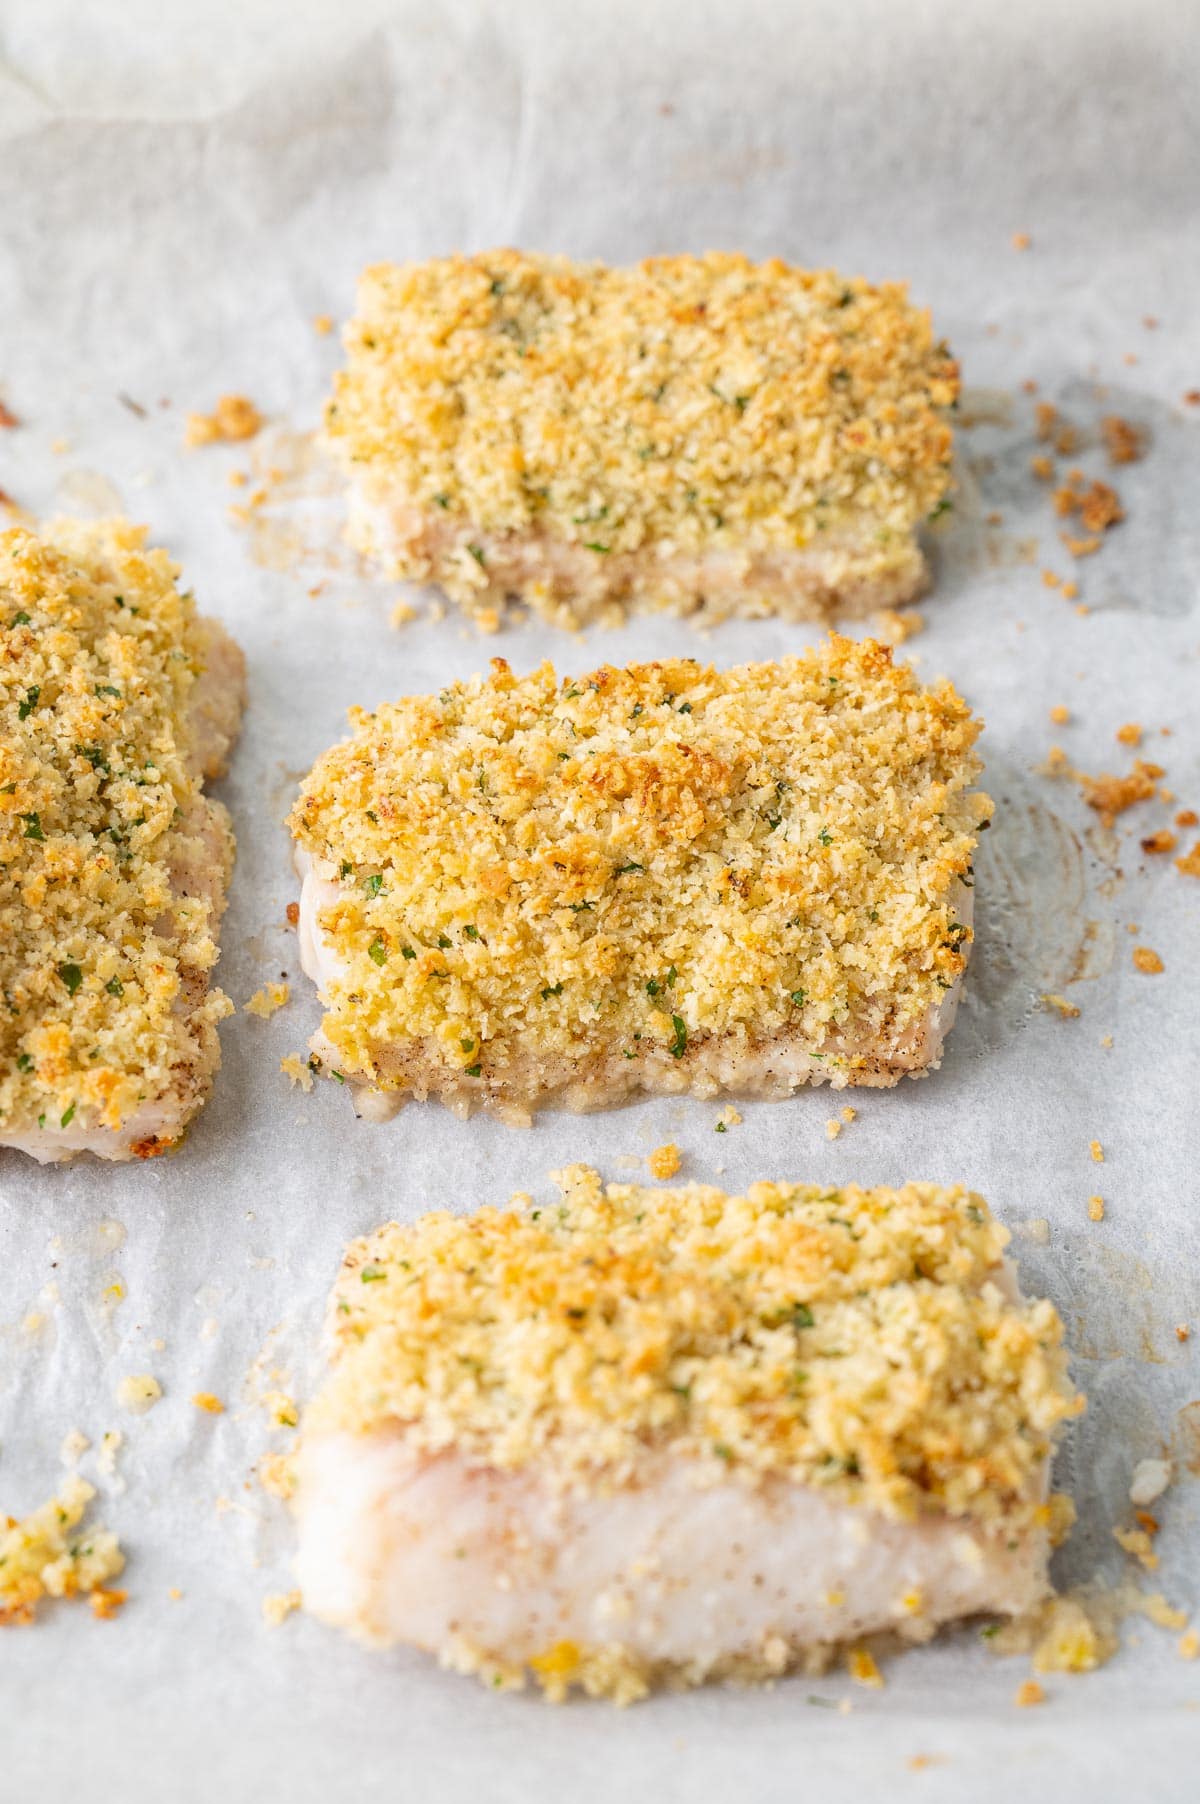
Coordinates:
(696, 433)
(657, 879)
(118, 702)
(661, 1436)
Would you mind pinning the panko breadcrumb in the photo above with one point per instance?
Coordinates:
(646, 1436)
(661, 878)
(622, 1313)
(118, 700)
(42, 1556)
(694, 432)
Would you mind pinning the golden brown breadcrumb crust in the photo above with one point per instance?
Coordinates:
(100, 801)
(637, 861)
(855, 1340)
(705, 403)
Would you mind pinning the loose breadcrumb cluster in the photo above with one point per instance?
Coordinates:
(854, 1340)
(636, 862)
(42, 1556)
(100, 805)
(701, 402)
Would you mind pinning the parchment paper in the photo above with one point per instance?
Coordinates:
(181, 191)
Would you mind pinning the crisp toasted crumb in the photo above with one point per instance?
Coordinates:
(1189, 864)
(1095, 1208)
(292, 914)
(849, 1114)
(8, 419)
(1097, 1152)
(106, 1602)
(1162, 841)
(1111, 796)
(297, 1071)
(1144, 959)
(729, 1117)
(206, 1401)
(1183, 1332)
(402, 614)
(1067, 1010)
(863, 1668)
(1080, 547)
(431, 1323)
(1129, 734)
(264, 1002)
(1188, 1646)
(894, 626)
(1151, 1478)
(1028, 1694)
(138, 1392)
(1050, 580)
(1021, 241)
(1187, 817)
(279, 1606)
(40, 1557)
(665, 1160)
(833, 1128)
(1137, 1543)
(1070, 590)
(774, 825)
(1046, 419)
(282, 1409)
(175, 1594)
(1060, 715)
(234, 418)
(277, 1475)
(1124, 442)
(323, 325)
(1056, 763)
(1042, 467)
(1191, 397)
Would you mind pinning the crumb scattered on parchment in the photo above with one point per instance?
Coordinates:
(1162, 841)
(1028, 1694)
(849, 1114)
(1188, 1646)
(323, 325)
(1042, 467)
(1111, 796)
(1060, 715)
(210, 1404)
(1124, 442)
(1097, 1151)
(297, 1071)
(138, 1392)
(894, 627)
(1187, 817)
(1151, 1478)
(833, 1128)
(487, 619)
(1130, 733)
(264, 1002)
(233, 418)
(1189, 864)
(402, 614)
(665, 1160)
(1183, 1332)
(863, 1668)
(1147, 960)
(729, 1117)
(1021, 241)
(1098, 506)
(292, 914)
(277, 1607)
(1095, 1208)
(74, 1445)
(1137, 1543)
(277, 1475)
(8, 419)
(111, 1443)
(281, 1408)
(41, 1557)
(1067, 1010)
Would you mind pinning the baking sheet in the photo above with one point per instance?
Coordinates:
(181, 191)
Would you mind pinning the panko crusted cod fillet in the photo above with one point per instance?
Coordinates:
(692, 434)
(656, 879)
(118, 701)
(660, 1436)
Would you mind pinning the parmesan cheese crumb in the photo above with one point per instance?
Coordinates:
(138, 1393)
(665, 1160)
(264, 1002)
